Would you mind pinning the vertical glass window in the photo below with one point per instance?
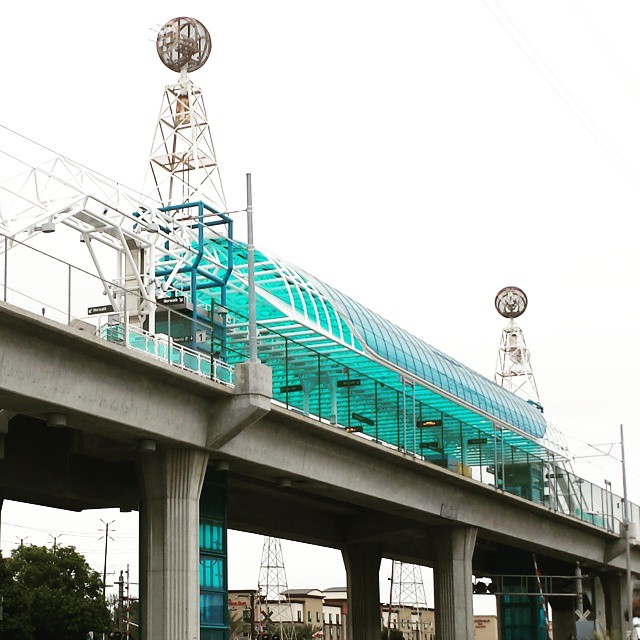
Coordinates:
(211, 573)
(211, 608)
(211, 536)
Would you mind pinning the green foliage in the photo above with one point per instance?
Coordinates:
(50, 595)
(391, 634)
(302, 631)
(236, 625)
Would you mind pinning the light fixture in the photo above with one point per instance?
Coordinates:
(56, 420)
(421, 424)
(46, 227)
(146, 444)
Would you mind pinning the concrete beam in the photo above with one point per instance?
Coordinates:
(250, 402)
(358, 472)
(102, 387)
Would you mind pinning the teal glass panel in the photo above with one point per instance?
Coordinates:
(211, 537)
(211, 573)
(212, 634)
(212, 608)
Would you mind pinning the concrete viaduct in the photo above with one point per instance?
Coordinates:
(76, 409)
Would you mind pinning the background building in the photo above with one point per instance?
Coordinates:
(325, 611)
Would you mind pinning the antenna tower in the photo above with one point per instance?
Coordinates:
(407, 589)
(513, 369)
(182, 163)
(275, 606)
(514, 372)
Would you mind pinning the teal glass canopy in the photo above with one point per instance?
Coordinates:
(315, 318)
(438, 369)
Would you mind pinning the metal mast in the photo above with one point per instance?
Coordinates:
(275, 606)
(407, 589)
(182, 163)
(513, 369)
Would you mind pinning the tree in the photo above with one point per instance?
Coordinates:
(391, 634)
(50, 595)
(236, 625)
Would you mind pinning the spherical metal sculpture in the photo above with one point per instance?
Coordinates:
(183, 44)
(511, 302)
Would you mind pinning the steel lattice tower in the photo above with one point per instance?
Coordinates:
(183, 162)
(407, 589)
(275, 606)
(513, 369)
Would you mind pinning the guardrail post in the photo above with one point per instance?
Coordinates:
(6, 266)
(69, 299)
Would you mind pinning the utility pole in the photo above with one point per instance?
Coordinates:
(252, 616)
(104, 570)
(127, 633)
(119, 618)
(55, 542)
(253, 333)
(627, 535)
(106, 547)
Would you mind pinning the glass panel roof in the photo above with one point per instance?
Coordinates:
(412, 354)
(316, 316)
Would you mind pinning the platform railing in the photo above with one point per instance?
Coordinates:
(38, 282)
(309, 382)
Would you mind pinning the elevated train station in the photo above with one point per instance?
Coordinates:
(172, 287)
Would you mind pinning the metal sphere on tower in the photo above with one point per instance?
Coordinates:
(183, 44)
(511, 302)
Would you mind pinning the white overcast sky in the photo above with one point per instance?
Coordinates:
(417, 155)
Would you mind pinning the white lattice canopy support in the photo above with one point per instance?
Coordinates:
(58, 193)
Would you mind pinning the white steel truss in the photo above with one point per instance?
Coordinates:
(182, 162)
(513, 369)
(146, 239)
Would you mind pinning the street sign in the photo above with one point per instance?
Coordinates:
(171, 302)
(291, 388)
(105, 308)
(349, 383)
(363, 419)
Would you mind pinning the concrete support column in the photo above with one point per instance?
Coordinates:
(614, 585)
(171, 481)
(362, 562)
(453, 582)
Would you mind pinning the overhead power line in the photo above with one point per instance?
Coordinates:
(527, 48)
